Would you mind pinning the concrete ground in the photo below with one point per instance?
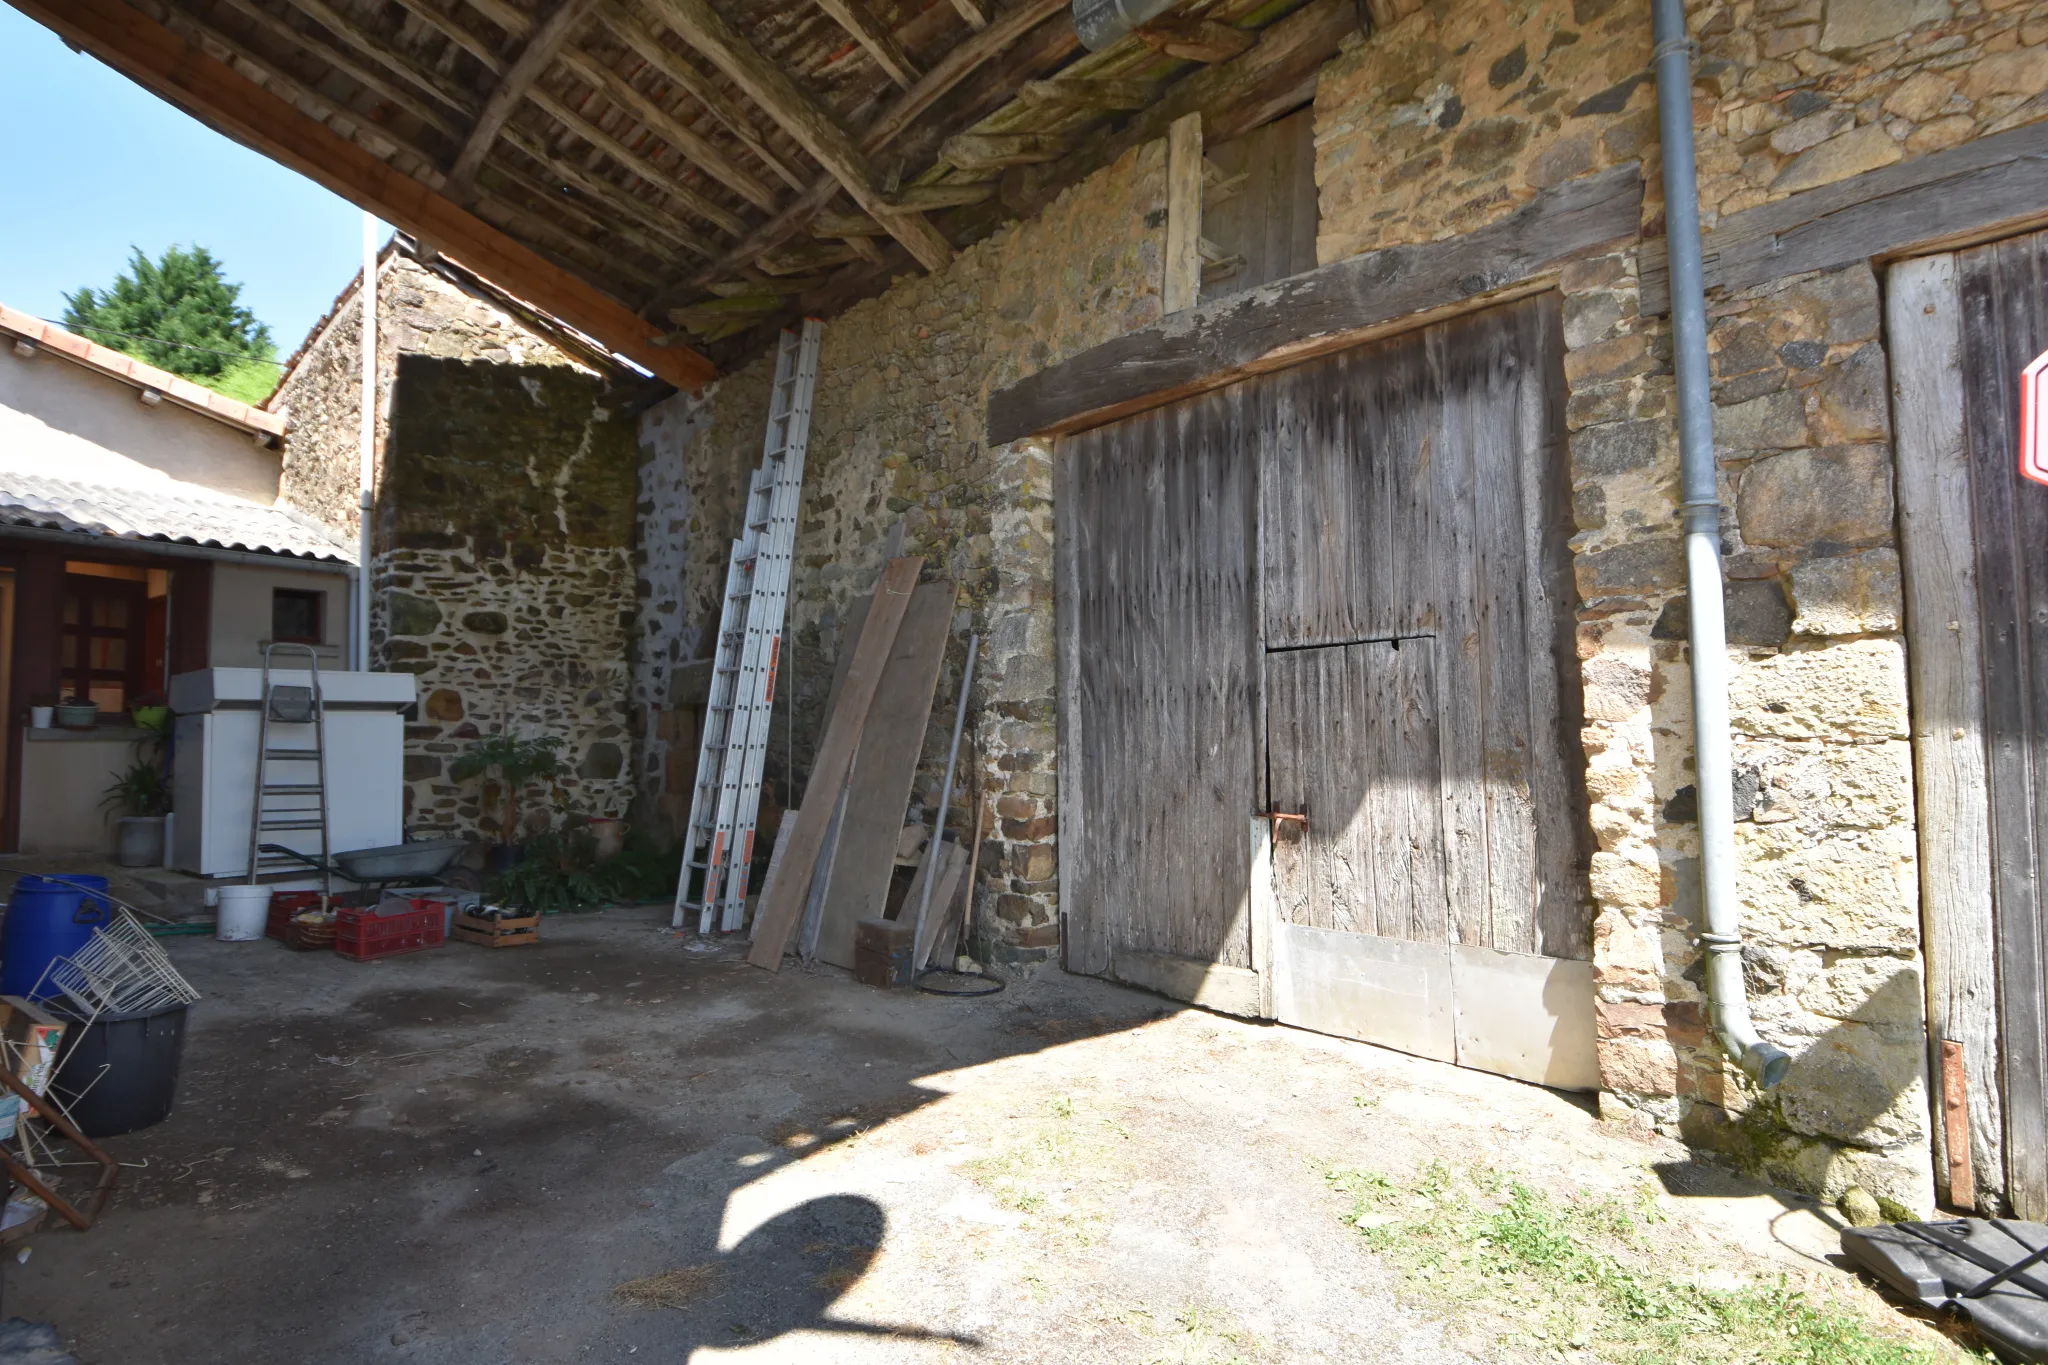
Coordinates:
(463, 1155)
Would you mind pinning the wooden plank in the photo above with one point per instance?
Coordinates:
(1557, 769)
(1084, 927)
(1410, 846)
(1159, 669)
(670, 129)
(1270, 221)
(953, 864)
(885, 765)
(1182, 284)
(1322, 310)
(211, 90)
(1944, 644)
(1452, 538)
(2001, 332)
(778, 917)
(873, 35)
(1988, 186)
(533, 60)
(1479, 389)
(770, 87)
(1195, 40)
(970, 10)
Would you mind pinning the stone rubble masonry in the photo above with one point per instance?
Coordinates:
(502, 564)
(898, 436)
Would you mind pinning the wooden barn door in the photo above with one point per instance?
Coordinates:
(1340, 591)
(1159, 746)
(1422, 699)
(1962, 326)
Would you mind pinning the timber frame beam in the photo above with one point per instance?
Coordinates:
(216, 93)
(820, 134)
(1321, 310)
(533, 60)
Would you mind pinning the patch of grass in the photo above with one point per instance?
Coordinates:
(1578, 1275)
(677, 1288)
(1204, 1335)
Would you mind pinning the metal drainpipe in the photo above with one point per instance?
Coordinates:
(1713, 755)
(366, 436)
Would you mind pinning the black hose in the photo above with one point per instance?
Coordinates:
(995, 984)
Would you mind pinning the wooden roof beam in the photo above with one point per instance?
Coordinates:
(670, 129)
(947, 73)
(211, 90)
(679, 73)
(971, 12)
(528, 89)
(327, 52)
(379, 51)
(779, 97)
(855, 17)
(534, 59)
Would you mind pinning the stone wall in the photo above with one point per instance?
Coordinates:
(1466, 109)
(898, 436)
(502, 567)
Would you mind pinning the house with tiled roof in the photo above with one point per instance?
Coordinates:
(142, 534)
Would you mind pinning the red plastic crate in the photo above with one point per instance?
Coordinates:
(365, 934)
(285, 904)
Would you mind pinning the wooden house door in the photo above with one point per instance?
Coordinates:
(1339, 592)
(1974, 533)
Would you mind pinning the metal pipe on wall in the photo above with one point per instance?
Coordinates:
(1713, 753)
(366, 437)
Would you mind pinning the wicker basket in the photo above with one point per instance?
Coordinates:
(309, 936)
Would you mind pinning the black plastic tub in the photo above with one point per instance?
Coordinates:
(120, 1072)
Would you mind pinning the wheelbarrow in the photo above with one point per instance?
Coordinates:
(427, 860)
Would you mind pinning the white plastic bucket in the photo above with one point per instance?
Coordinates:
(243, 912)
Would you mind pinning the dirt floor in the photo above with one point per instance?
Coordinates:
(625, 1143)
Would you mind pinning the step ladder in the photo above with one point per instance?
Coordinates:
(719, 851)
(281, 805)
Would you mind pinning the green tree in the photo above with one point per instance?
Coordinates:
(179, 314)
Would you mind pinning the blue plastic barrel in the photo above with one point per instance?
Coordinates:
(45, 920)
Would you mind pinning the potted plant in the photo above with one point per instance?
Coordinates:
(143, 796)
(142, 792)
(78, 713)
(508, 764)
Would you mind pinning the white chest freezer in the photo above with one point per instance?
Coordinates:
(215, 763)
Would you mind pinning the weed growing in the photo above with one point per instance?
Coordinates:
(1572, 1275)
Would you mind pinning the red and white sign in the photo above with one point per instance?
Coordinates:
(2034, 420)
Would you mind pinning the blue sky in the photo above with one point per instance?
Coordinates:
(120, 167)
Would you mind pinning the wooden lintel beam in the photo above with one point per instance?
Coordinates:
(534, 59)
(183, 73)
(873, 35)
(771, 88)
(1321, 310)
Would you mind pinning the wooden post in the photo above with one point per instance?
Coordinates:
(1183, 284)
(1955, 1123)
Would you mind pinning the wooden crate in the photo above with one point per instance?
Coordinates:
(497, 933)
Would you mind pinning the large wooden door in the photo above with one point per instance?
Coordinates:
(1975, 535)
(1159, 751)
(1415, 519)
(1340, 591)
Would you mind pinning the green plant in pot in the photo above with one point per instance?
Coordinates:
(141, 793)
(508, 765)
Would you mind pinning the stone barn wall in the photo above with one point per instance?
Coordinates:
(502, 568)
(897, 435)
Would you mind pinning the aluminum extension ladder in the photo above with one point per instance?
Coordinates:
(290, 704)
(727, 795)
